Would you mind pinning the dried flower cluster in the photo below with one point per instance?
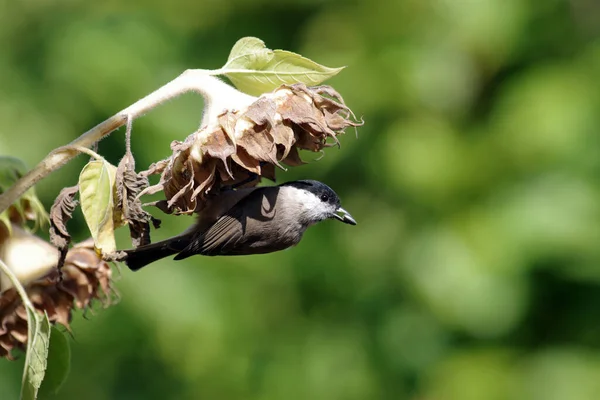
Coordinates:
(250, 143)
(85, 277)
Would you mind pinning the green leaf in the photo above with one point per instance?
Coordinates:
(96, 193)
(248, 52)
(59, 363)
(38, 339)
(255, 69)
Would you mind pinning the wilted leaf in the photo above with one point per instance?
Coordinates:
(62, 210)
(59, 363)
(96, 192)
(60, 213)
(255, 69)
(38, 339)
(129, 186)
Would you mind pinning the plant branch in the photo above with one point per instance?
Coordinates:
(81, 149)
(217, 97)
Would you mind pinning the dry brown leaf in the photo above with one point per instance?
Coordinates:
(129, 185)
(60, 213)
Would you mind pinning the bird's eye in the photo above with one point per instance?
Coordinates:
(324, 198)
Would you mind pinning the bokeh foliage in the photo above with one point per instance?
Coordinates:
(474, 271)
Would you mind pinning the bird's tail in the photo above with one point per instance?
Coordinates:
(141, 256)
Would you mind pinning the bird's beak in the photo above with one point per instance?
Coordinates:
(344, 216)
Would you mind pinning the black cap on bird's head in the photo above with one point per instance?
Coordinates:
(327, 197)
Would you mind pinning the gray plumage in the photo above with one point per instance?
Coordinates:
(249, 221)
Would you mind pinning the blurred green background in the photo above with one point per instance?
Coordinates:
(474, 270)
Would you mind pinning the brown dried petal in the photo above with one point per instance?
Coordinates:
(293, 159)
(259, 146)
(78, 285)
(6, 346)
(155, 168)
(97, 271)
(204, 177)
(19, 331)
(245, 160)
(268, 171)
(64, 305)
(9, 320)
(219, 143)
(263, 113)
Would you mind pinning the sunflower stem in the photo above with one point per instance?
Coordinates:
(218, 96)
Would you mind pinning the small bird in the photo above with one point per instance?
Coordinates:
(249, 221)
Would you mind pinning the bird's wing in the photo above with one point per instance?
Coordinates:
(217, 206)
(220, 238)
(231, 233)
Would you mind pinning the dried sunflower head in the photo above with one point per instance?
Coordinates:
(251, 142)
(85, 278)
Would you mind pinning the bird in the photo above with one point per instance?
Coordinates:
(248, 221)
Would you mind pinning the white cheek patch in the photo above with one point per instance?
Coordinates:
(312, 206)
(308, 200)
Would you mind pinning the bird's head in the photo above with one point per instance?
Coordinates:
(317, 202)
